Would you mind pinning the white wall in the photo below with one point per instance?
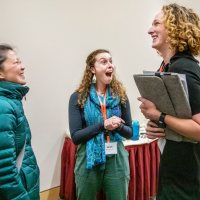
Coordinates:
(53, 38)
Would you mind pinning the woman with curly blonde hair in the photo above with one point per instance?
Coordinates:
(176, 36)
(99, 120)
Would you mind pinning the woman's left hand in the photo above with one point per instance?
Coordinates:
(153, 131)
(149, 109)
(113, 123)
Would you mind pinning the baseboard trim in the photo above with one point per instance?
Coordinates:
(51, 194)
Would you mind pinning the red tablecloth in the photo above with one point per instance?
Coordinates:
(144, 164)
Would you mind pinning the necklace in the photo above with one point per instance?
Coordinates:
(101, 93)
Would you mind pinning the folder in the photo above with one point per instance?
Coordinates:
(168, 91)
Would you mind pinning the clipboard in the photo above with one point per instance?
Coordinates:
(168, 91)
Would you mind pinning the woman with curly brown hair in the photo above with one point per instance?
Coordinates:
(99, 120)
(176, 36)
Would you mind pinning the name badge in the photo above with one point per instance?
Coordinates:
(111, 148)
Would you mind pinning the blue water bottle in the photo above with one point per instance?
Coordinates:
(136, 130)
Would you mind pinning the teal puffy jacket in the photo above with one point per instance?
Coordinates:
(16, 183)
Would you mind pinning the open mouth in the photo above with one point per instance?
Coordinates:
(108, 74)
(22, 76)
(154, 37)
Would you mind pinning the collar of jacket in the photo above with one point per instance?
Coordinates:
(13, 90)
(183, 54)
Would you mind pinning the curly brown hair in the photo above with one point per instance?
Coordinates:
(183, 26)
(84, 87)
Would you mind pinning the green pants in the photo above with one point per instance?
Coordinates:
(112, 177)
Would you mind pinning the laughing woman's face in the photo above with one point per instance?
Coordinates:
(158, 33)
(12, 69)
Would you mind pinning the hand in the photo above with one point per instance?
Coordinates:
(113, 123)
(153, 132)
(149, 109)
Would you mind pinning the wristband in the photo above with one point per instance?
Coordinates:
(161, 121)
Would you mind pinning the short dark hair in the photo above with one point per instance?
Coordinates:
(4, 48)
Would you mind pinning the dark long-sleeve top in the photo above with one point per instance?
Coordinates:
(80, 133)
(185, 63)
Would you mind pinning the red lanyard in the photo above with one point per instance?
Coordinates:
(103, 106)
(103, 110)
(162, 67)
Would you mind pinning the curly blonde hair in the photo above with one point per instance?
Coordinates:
(84, 87)
(183, 26)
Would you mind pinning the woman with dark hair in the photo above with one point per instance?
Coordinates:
(19, 172)
(176, 36)
(99, 120)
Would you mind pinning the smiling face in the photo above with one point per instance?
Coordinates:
(103, 69)
(12, 69)
(158, 33)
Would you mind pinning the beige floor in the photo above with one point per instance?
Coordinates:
(52, 194)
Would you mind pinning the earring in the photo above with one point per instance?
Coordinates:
(94, 79)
